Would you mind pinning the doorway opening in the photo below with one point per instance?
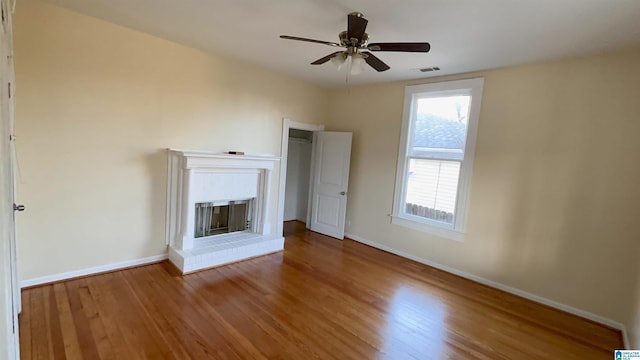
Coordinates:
(328, 170)
(296, 201)
(287, 126)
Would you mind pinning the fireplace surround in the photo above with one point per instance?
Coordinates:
(217, 208)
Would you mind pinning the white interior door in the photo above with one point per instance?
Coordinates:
(10, 300)
(331, 157)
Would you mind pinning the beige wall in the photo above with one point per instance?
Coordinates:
(96, 106)
(555, 197)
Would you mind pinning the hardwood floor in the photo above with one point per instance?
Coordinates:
(319, 299)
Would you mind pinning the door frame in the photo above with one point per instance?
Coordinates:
(288, 124)
(10, 302)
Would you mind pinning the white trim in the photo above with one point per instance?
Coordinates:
(92, 270)
(172, 186)
(511, 290)
(472, 87)
(10, 297)
(625, 338)
(284, 152)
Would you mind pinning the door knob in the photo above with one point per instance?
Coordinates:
(343, 193)
(18, 207)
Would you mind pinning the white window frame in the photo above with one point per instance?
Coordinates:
(456, 230)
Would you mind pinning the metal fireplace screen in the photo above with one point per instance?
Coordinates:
(215, 219)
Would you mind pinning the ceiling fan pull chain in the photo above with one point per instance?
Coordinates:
(350, 63)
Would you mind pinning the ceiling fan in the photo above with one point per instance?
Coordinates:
(355, 40)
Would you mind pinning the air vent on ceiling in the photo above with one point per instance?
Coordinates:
(435, 68)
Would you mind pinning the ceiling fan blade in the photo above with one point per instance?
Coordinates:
(356, 26)
(323, 60)
(405, 47)
(374, 62)
(309, 40)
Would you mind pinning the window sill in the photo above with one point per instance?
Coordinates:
(427, 228)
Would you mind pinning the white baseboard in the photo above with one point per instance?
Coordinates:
(539, 299)
(91, 271)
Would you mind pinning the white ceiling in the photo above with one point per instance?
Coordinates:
(465, 35)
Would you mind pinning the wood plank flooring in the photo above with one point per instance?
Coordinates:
(319, 299)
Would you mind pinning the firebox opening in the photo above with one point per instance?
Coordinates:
(215, 218)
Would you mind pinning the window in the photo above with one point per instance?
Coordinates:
(435, 158)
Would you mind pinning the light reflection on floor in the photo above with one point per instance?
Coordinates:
(413, 313)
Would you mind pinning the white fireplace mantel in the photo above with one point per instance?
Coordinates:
(201, 176)
(196, 159)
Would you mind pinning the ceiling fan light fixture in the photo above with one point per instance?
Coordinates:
(357, 64)
(338, 60)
